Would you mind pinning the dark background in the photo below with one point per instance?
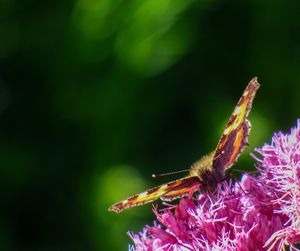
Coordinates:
(96, 95)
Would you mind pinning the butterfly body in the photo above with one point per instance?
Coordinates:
(204, 170)
(210, 169)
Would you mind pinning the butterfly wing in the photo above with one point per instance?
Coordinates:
(167, 192)
(235, 136)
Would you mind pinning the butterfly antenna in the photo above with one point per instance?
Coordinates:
(243, 171)
(170, 173)
(181, 171)
(218, 156)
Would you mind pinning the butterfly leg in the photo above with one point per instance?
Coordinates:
(238, 183)
(193, 190)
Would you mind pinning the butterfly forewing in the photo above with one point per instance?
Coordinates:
(235, 136)
(169, 191)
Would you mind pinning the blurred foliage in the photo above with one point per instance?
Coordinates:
(95, 95)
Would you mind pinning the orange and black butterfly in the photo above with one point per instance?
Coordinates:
(210, 169)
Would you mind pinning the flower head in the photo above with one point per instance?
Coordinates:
(257, 213)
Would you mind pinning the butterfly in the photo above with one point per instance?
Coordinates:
(210, 169)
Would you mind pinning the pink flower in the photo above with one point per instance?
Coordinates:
(257, 213)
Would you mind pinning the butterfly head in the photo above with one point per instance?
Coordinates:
(204, 170)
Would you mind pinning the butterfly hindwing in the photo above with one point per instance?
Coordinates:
(167, 192)
(235, 136)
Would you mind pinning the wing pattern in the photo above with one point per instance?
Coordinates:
(167, 192)
(235, 136)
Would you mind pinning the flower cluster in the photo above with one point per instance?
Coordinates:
(256, 213)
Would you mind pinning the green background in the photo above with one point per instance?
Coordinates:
(96, 95)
